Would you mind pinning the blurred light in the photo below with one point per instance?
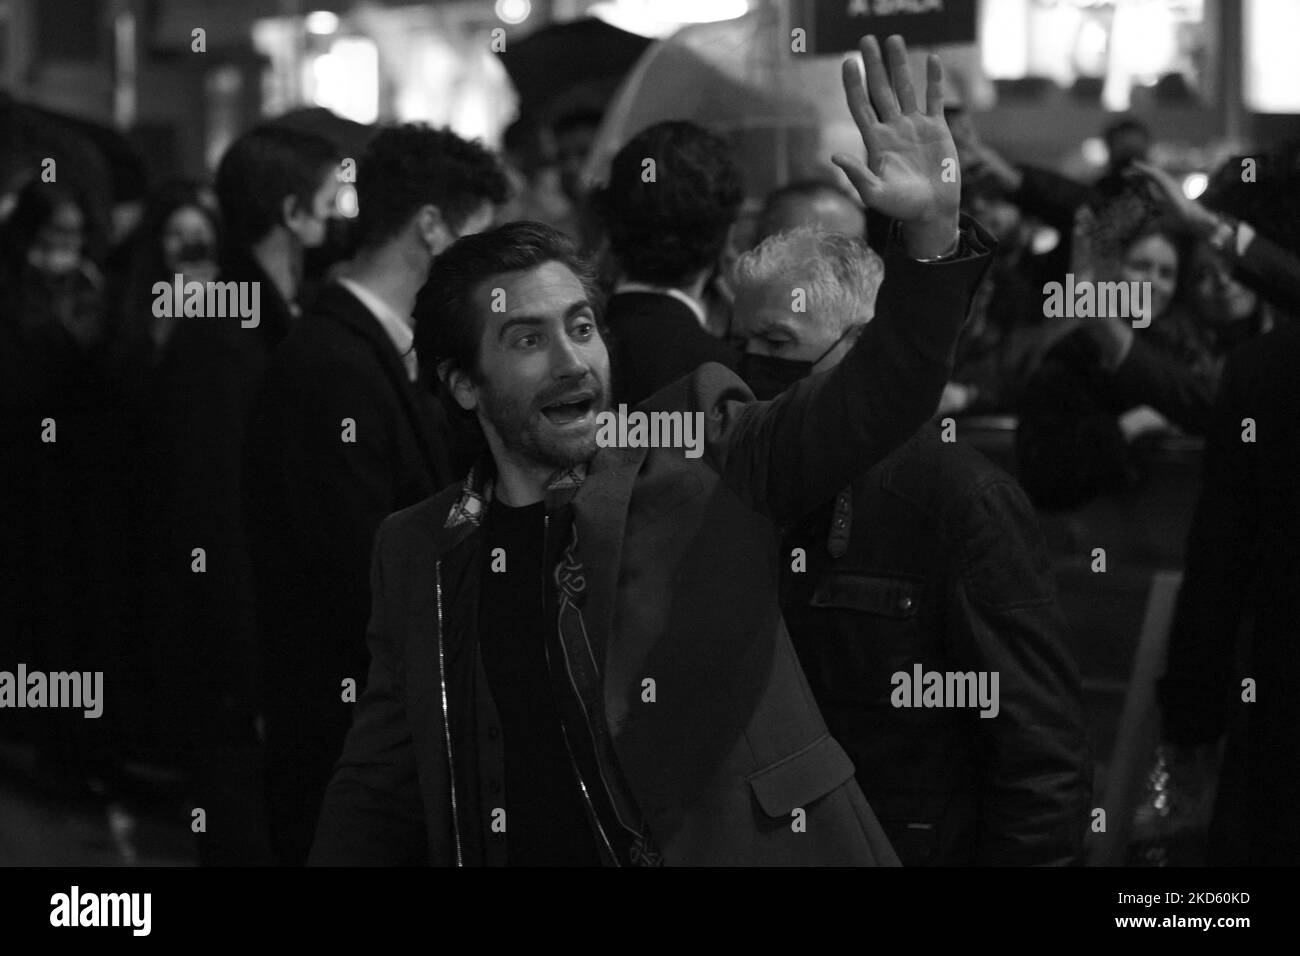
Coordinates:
(346, 79)
(345, 201)
(1194, 184)
(659, 18)
(1094, 151)
(322, 22)
(514, 11)
(1044, 240)
(1271, 68)
(1004, 38)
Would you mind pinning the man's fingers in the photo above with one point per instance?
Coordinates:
(856, 94)
(896, 50)
(878, 87)
(934, 86)
(864, 180)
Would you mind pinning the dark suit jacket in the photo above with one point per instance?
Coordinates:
(314, 501)
(680, 581)
(1243, 579)
(934, 557)
(209, 376)
(655, 339)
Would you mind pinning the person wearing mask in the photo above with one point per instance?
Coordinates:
(178, 235)
(61, 482)
(341, 435)
(931, 559)
(275, 188)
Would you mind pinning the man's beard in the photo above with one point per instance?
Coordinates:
(525, 432)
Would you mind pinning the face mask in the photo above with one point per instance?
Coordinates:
(768, 376)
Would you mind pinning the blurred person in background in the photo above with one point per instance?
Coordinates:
(178, 234)
(1103, 383)
(318, 488)
(810, 202)
(1006, 335)
(530, 163)
(574, 134)
(63, 488)
(667, 236)
(1237, 614)
(276, 190)
(51, 287)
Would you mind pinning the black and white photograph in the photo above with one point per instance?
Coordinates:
(740, 435)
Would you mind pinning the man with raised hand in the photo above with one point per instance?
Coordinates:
(577, 654)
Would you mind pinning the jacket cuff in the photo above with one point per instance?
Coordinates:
(946, 289)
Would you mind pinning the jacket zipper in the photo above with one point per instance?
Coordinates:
(446, 717)
(564, 731)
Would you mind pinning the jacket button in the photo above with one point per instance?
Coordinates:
(495, 786)
(905, 603)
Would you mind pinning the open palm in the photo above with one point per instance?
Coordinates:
(911, 173)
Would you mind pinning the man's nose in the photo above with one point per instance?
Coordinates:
(567, 359)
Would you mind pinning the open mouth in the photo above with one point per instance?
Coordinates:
(569, 411)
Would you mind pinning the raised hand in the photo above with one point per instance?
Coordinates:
(1192, 213)
(911, 173)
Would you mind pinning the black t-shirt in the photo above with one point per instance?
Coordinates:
(546, 818)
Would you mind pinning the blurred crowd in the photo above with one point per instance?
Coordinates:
(180, 515)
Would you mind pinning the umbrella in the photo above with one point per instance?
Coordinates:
(570, 65)
(783, 113)
(98, 157)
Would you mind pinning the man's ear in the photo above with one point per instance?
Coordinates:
(459, 384)
(432, 228)
(290, 209)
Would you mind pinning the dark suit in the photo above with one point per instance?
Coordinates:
(676, 564)
(654, 339)
(1243, 579)
(210, 375)
(339, 439)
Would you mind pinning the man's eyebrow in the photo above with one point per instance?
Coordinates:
(582, 305)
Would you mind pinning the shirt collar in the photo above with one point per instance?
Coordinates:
(678, 294)
(398, 329)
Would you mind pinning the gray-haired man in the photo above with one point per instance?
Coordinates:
(921, 603)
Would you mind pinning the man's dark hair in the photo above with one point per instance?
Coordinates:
(799, 189)
(259, 170)
(448, 327)
(668, 230)
(413, 165)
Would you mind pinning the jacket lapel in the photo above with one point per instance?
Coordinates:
(346, 308)
(601, 515)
